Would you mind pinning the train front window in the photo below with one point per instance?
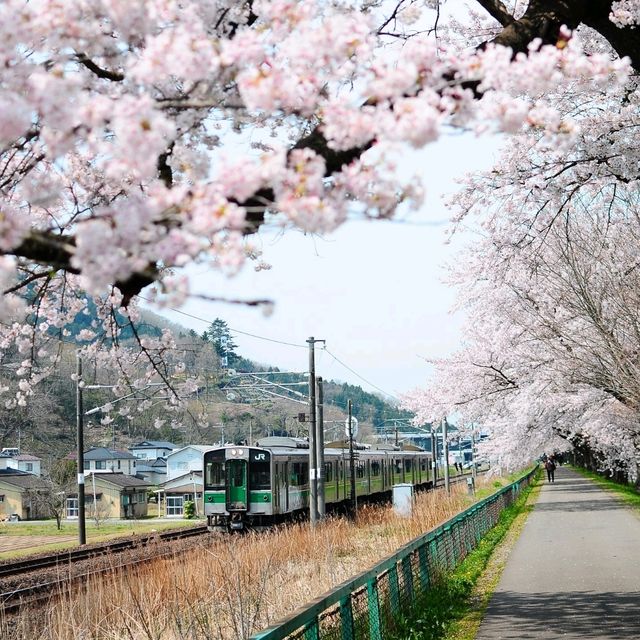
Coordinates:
(214, 475)
(237, 476)
(260, 476)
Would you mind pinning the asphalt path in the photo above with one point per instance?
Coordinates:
(575, 570)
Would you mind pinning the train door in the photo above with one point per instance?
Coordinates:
(237, 484)
(285, 475)
(275, 490)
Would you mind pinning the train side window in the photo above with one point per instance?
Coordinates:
(260, 476)
(375, 468)
(214, 475)
(360, 469)
(397, 467)
(408, 463)
(328, 472)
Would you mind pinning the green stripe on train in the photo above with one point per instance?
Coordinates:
(219, 497)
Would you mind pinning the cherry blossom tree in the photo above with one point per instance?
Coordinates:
(116, 119)
(551, 348)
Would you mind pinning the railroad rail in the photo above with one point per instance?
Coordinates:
(37, 594)
(19, 567)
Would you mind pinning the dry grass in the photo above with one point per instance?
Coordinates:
(232, 588)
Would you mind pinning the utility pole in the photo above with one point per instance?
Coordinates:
(434, 454)
(313, 466)
(320, 449)
(445, 451)
(354, 499)
(82, 533)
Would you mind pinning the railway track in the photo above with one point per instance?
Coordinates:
(14, 599)
(20, 567)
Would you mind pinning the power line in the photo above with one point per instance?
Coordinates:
(244, 333)
(355, 373)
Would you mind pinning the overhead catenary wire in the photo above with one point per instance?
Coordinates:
(244, 333)
(355, 373)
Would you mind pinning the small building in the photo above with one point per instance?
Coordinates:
(111, 495)
(154, 471)
(152, 449)
(23, 495)
(26, 462)
(184, 460)
(101, 459)
(178, 490)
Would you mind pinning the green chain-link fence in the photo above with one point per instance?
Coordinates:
(365, 607)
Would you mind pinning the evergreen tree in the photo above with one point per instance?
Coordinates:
(219, 335)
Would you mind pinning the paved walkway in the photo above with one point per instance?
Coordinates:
(574, 572)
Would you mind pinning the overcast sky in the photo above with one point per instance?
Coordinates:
(372, 290)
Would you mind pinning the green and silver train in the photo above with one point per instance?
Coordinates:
(260, 485)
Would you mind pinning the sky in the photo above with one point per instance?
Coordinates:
(373, 290)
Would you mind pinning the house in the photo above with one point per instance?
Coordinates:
(26, 462)
(23, 494)
(154, 471)
(152, 449)
(184, 460)
(12, 459)
(178, 490)
(111, 495)
(111, 460)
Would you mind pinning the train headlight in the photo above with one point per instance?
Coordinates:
(240, 452)
(233, 452)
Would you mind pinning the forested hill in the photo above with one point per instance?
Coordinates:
(267, 402)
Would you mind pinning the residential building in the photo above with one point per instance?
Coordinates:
(23, 495)
(111, 495)
(184, 460)
(175, 492)
(154, 471)
(101, 459)
(152, 449)
(25, 462)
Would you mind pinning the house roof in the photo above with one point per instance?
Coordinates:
(160, 463)
(197, 447)
(146, 468)
(21, 479)
(26, 457)
(153, 444)
(122, 480)
(102, 453)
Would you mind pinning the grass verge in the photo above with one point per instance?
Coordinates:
(454, 609)
(626, 492)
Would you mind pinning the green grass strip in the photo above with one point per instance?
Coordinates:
(628, 493)
(443, 612)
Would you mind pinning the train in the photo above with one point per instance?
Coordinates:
(257, 486)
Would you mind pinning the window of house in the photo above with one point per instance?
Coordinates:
(87, 465)
(29, 466)
(1, 498)
(118, 464)
(101, 464)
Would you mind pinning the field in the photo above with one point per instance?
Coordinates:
(232, 587)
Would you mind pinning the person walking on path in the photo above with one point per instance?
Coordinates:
(550, 466)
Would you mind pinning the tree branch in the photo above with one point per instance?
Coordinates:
(497, 10)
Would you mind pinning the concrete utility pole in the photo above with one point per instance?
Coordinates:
(352, 465)
(313, 430)
(445, 451)
(82, 533)
(434, 453)
(320, 449)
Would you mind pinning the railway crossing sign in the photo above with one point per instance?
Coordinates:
(354, 427)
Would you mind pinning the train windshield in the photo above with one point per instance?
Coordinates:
(214, 471)
(260, 477)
